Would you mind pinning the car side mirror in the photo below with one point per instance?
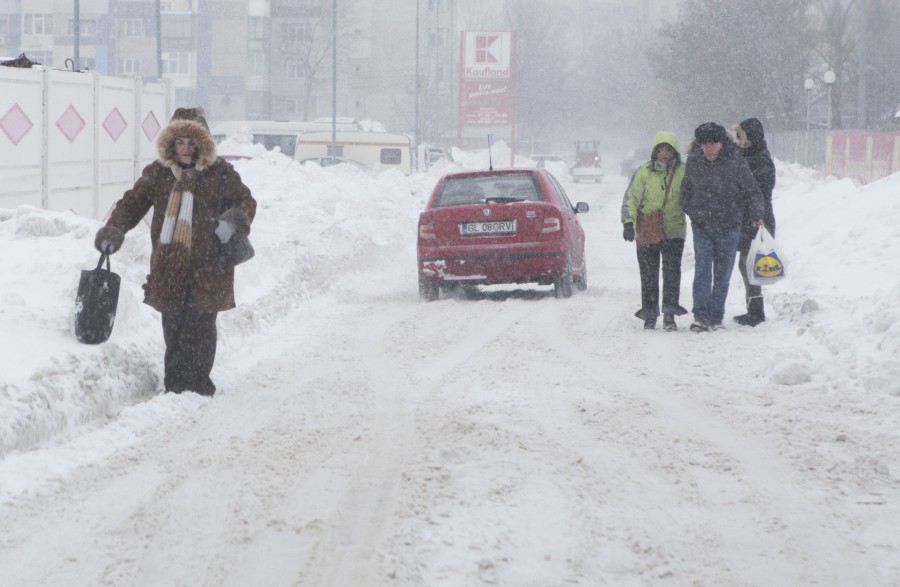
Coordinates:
(581, 207)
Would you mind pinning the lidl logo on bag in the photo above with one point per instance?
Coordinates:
(768, 266)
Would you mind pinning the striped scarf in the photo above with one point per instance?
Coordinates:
(170, 261)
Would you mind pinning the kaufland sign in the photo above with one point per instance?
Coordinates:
(487, 86)
(487, 55)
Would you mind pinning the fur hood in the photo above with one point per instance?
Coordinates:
(192, 129)
(748, 134)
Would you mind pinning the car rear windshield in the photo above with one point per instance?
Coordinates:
(457, 191)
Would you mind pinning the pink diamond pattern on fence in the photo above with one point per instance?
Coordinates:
(115, 124)
(70, 123)
(151, 126)
(15, 124)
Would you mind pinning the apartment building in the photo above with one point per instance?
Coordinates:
(256, 59)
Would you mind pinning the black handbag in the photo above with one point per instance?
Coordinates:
(96, 302)
(235, 252)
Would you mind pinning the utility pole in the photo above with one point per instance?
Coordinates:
(159, 68)
(76, 24)
(418, 91)
(333, 148)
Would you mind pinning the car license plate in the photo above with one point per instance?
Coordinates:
(490, 227)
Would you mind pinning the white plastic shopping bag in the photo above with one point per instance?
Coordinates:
(764, 264)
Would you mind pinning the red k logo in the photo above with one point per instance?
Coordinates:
(488, 48)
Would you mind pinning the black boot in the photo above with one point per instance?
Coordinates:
(755, 313)
(669, 323)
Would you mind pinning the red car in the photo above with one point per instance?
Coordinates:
(500, 226)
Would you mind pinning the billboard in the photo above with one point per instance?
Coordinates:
(487, 87)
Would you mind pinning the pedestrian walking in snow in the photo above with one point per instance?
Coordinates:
(716, 189)
(655, 188)
(751, 141)
(199, 202)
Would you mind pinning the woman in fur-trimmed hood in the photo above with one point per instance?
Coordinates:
(199, 203)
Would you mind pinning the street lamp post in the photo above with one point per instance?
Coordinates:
(829, 81)
(810, 85)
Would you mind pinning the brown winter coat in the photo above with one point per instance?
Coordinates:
(218, 188)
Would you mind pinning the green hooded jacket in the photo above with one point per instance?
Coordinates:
(652, 182)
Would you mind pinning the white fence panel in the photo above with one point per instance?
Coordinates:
(21, 137)
(118, 127)
(76, 140)
(71, 124)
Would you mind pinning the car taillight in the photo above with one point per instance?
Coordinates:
(550, 225)
(426, 230)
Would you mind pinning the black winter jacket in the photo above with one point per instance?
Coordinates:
(714, 194)
(763, 169)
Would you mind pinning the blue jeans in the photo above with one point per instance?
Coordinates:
(713, 263)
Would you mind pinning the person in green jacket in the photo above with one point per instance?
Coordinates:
(656, 185)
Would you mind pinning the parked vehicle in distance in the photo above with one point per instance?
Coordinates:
(332, 161)
(588, 163)
(430, 154)
(375, 150)
(278, 133)
(633, 160)
(500, 226)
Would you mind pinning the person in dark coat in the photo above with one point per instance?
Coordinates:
(751, 141)
(199, 202)
(716, 189)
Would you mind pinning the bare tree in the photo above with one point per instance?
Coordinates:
(726, 61)
(542, 80)
(306, 40)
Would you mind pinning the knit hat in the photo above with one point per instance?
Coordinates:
(710, 132)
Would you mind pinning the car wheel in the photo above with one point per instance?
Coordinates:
(562, 285)
(580, 280)
(429, 291)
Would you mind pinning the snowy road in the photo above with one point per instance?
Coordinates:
(370, 440)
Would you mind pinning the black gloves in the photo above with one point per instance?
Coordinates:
(109, 239)
(628, 232)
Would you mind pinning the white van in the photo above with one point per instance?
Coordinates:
(279, 133)
(376, 150)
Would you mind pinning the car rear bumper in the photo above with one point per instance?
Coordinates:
(514, 264)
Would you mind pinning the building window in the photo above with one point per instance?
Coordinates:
(258, 105)
(129, 66)
(297, 32)
(131, 27)
(176, 64)
(292, 69)
(176, 26)
(88, 28)
(37, 24)
(257, 28)
(290, 105)
(437, 38)
(256, 63)
(87, 62)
